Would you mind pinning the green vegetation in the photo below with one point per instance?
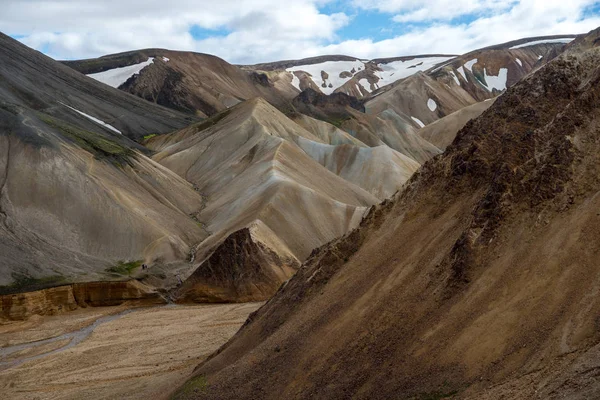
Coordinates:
(150, 136)
(212, 121)
(125, 267)
(337, 122)
(25, 281)
(195, 385)
(100, 146)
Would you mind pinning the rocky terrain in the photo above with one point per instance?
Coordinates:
(477, 280)
(79, 200)
(235, 202)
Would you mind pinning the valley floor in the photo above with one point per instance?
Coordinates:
(135, 354)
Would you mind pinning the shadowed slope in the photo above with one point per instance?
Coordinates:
(479, 277)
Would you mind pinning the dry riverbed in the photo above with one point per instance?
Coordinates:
(128, 354)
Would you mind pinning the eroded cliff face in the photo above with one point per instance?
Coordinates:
(66, 298)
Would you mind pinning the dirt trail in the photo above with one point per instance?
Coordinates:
(133, 354)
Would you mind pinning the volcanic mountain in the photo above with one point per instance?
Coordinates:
(273, 188)
(478, 279)
(79, 200)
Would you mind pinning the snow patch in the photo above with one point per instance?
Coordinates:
(544, 41)
(540, 57)
(418, 121)
(431, 104)
(391, 73)
(96, 120)
(461, 71)
(295, 81)
(365, 83)
(117, 76)
(496, 82)
(469, 64)
(455, 78)
(165, 59)
(519, 62)
(397, 70)
(333, 69)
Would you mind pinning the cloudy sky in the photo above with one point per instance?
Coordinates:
(250, 31)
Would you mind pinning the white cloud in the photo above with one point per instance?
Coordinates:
(425, 10)
(266, 30)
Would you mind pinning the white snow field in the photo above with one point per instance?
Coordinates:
(496, 82)
(431, 104)
(461, 70)
(456, 78)
(365, 83)
(96, 120)
(519, 62)
(545, 41)
(418, 121)
(391, 72)
(117, 76)
(397, 70)
(469, 64)
(333, 69)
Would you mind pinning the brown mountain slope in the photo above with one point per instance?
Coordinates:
(479, 278)
(189, 82)
(442, 132)
(462, 81)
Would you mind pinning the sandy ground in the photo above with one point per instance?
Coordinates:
(145, 354)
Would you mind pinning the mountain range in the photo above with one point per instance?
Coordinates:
(419, 227)
(224, 177)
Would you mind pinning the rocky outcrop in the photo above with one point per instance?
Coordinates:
(65, 298)
(241, 269)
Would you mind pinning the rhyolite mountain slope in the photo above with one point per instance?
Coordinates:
(274, 192)
(424, 97)
(478, 280)
(196, 83)
(77, 195)
(359, 78)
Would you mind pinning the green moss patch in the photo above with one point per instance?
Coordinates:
(150, 136)
(25, 282)
(100, 146)
(125, 268)
(212, 121)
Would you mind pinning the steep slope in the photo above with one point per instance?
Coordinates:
(185, 81)
(78, 200)
(274, 191)
(388, 128)
(479, 278)
(33, 80)
(442, 132)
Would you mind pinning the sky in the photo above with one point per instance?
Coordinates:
(253, 31)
